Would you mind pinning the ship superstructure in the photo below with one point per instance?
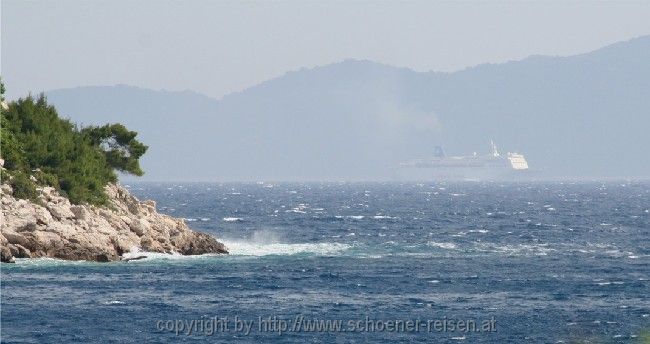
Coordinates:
(443, 167)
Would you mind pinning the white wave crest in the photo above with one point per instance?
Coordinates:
(352, 217)
(232, 219)
(136, 254)
(239, 248)
(114, 302)
(445, 245)
(516, 250)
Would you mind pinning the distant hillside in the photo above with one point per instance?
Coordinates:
(167, 120)
(584, 115)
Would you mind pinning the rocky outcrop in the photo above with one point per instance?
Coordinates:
(52, 227)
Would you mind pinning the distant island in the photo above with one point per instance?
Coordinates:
(60, 196)
(358, 119)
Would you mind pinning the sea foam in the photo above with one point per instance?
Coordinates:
(243, 248)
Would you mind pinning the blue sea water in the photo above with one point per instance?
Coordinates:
(536, 262)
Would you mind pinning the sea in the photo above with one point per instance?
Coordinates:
(467, 262)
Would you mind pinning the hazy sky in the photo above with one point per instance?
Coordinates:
(220, 47)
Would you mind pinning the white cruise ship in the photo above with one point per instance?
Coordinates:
(492, 166)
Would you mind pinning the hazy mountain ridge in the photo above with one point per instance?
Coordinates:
(357, 119)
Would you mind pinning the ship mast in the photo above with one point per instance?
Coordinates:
(495, 152)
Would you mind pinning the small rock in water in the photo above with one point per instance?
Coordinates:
(133, 258)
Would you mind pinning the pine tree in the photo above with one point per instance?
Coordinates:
(79, 162)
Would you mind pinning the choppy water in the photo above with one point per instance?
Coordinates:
(548, 262)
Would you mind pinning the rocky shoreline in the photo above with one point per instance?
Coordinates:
(53, 227)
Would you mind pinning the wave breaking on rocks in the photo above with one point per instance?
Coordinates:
(53, 227)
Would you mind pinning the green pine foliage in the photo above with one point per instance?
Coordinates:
(23, 187)
(79, 162)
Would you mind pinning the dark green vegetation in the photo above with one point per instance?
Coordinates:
(78, 161)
